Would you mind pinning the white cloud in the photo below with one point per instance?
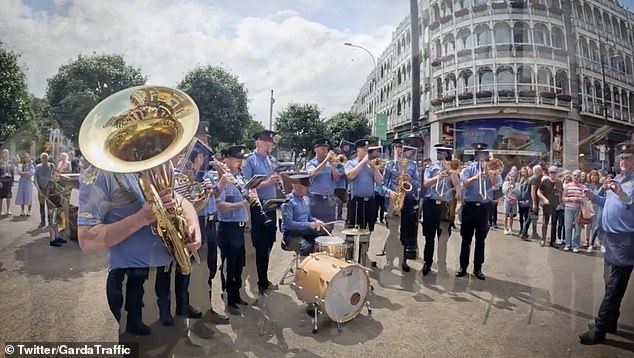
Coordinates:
(302, 60)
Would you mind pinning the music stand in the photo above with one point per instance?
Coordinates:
(254, 181)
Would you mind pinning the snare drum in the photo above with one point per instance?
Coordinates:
(332, 245)
(340, 289)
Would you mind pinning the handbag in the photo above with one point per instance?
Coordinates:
(585, 214)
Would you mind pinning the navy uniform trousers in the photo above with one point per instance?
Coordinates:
(475, 220)
(262, 238)
(233, 256)
(133, 291)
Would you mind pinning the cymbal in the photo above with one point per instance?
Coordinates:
(355, 232)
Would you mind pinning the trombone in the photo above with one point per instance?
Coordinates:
(493, 167)
(449, 167)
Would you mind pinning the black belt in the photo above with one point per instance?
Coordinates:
(473, 203)
(360, 198)
(233, 223)
(319, 196)
(434, 202)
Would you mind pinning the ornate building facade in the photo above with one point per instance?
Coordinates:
(539, 81)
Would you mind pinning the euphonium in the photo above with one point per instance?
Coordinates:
(139, 130)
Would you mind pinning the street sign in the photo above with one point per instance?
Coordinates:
(380, 126)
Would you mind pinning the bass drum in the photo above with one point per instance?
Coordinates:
(340, 289)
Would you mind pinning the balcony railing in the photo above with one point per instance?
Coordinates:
(503, 93)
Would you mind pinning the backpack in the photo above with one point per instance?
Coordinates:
(525, 194)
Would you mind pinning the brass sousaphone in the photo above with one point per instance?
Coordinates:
(139, 130)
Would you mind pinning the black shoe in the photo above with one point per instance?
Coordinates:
(405, 267)
(426, 269)
(60, 240)
(461, 273)
(233, 309)
(262, 292)
(55, 243)
(137, 328)
(189, 312)
(241, 302)
(479, 275)
(272, 287)
(165, 315)
(310, 311)
(591, 326)
(218, 318)
(552, 244)
(591, 337)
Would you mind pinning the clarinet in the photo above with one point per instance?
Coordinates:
(280, 185)
(238, 182)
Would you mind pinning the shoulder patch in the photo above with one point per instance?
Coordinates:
(85, 215)
(89, 177)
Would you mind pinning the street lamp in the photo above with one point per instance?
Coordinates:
(374, 76)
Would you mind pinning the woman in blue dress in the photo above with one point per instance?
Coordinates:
(24, 197)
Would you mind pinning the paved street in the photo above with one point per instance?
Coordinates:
(533, 303)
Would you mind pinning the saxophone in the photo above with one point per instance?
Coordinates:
(402, 187)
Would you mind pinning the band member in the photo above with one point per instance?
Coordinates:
(232, 216)
(341, 192)
(362, 174)
(299, 228)
(113, 215)
(618, 225)
(208, 221)
(323, 177)
(440, 187)
(478, 192)
(262, 234)
(407, 216)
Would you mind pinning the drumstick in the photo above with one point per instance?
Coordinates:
(333, 222)
(326, 230)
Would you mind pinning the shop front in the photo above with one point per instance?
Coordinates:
(596, 146)
(517, 142)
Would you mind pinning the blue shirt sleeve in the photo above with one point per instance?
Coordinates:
(466, 174)
(387, 176)
(247, 170)
(288, 220)
(349, 166)
(598, 200)
(93, 200)
(311, 166)
(415, 176)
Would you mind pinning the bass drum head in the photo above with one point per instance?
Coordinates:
(346, 294)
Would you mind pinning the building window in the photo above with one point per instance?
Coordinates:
(502, 33)
(520, 33)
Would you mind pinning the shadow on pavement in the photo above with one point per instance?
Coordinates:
(56, 263)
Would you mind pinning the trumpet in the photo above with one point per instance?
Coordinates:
(338, 159)
(493, 167)
(449, 167)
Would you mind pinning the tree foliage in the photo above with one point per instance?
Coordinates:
(251, 128)
(80, 85)
(298, 125)
(347, 125)
(15, 109)
(221, 100)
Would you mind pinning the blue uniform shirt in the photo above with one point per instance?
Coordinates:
(106, 198)
(472, 193)
(363, 184)
(231, 194)
(257, 164)
(618, 222)
(431, 192)
(322, 183)
(392, 171)
(341, 184)
(296, 215)
(211, 204)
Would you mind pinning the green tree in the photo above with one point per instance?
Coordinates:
(221, 100)
(15, 108)
(252, 127)
(347, 125)
(80, 85)
(298, 125)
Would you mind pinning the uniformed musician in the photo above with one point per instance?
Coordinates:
(263, 235)
(113, 215)
(618, 224)
(362, 174)
(440, 187)
(299, 227)
(341, 192)
(232, 217)
(323, 177)
(208, 217)
(403, 223)
(474, 212)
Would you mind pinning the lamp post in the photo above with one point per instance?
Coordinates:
(373, 76)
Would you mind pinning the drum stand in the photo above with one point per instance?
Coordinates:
(290, 269)
(315, 319)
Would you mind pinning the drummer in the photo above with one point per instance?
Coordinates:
(298, 227)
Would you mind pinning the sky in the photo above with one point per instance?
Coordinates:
(294, 47)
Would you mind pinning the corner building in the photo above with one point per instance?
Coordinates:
(539, 81)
